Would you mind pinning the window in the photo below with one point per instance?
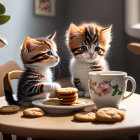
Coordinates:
(132, 17)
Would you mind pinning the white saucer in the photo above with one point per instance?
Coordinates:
(60, 109)
(122, 107)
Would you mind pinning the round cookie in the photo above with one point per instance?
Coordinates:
(69, 99)
(71, 95)
(78, 103)
(109, 114)
(33, 112)
(9, 109)
(67, 90)
(67, 102)
(85, 116)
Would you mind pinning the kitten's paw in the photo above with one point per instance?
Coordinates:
(87, 94)
(81, 93)
(57, 86)
(50, 87)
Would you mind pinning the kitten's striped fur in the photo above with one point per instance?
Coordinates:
(38, 55)
(88, 44)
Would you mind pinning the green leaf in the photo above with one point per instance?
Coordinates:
(115, 87)
(110, 85)
(114, 92)
(2, 9)
(95, 83)
(4, 19)
(120, 92)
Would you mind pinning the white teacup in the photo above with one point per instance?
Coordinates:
(107, 88)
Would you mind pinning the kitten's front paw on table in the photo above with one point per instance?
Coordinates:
(49, 87)
(57, 86)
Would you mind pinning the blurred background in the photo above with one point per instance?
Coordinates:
(24, 22)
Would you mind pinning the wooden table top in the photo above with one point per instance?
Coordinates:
(63, 126)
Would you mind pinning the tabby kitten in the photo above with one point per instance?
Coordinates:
(89, 44)
(38, 55)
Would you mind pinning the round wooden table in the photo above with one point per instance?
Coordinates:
(63, 126)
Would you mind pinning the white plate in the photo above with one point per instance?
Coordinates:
(60, 109)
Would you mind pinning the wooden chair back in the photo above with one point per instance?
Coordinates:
(4, 69)
(8, 77)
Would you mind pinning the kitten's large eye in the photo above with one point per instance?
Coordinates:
(49, 53)
(97, 48)
(84, 48)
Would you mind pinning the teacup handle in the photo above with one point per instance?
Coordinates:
(133, 86)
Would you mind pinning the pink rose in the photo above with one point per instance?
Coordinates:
(104, 88)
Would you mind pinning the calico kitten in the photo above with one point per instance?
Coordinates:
(38, 55)
(89, 44)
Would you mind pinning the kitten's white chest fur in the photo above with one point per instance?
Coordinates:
(80, 71)
(43, 70)
(48, 75)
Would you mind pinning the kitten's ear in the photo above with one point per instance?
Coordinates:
(73, 31)
(52, 36)
(29, 44)
(107, 31)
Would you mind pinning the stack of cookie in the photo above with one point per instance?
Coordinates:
(67, 96)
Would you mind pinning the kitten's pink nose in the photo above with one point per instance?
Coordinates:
(91, 54)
